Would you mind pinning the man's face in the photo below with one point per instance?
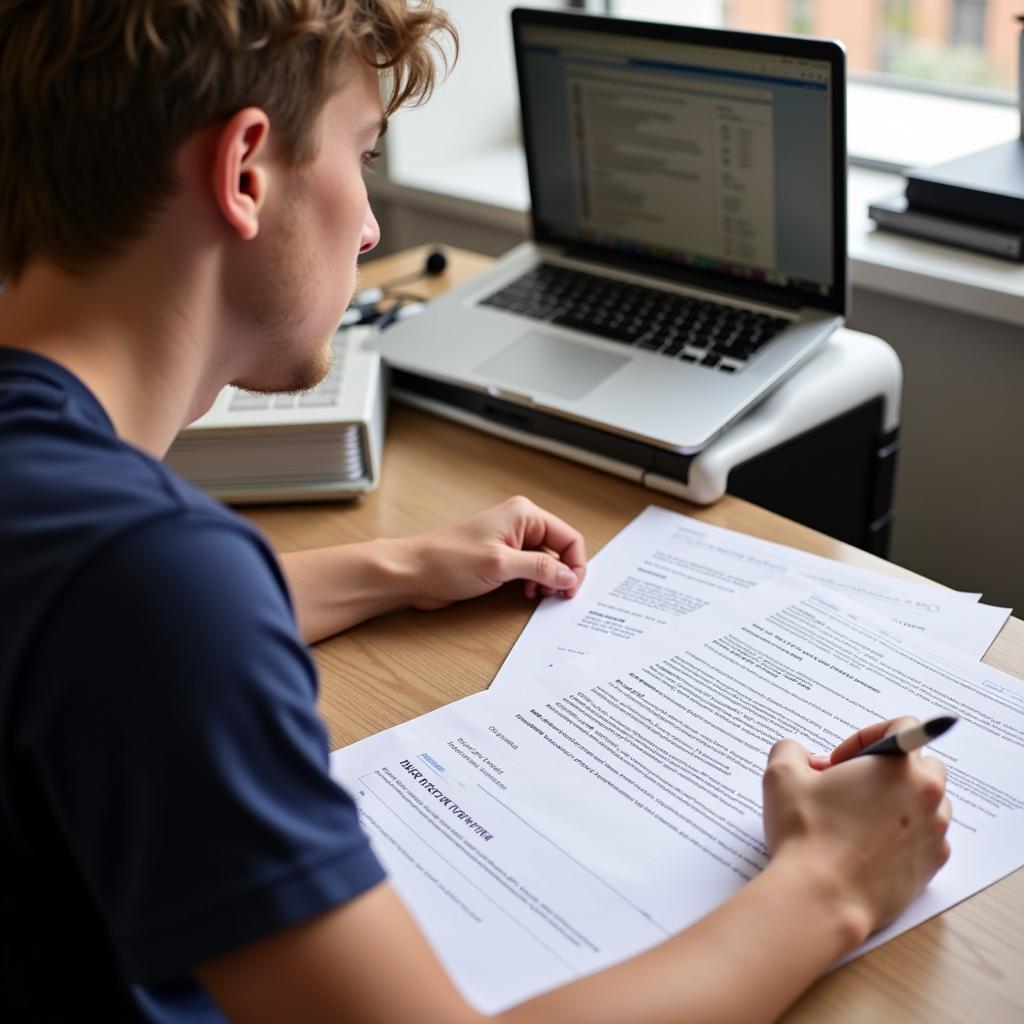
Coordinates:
(315, 224)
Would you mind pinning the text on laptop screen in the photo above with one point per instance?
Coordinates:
(707, 157)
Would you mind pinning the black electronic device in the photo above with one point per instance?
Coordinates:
(987, 186)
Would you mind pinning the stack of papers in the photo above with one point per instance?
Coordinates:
(665, 566)
(575, 815)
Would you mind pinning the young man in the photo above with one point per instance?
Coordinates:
(181, 206)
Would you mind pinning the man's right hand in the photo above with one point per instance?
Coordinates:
(853, 843)
(875, 827)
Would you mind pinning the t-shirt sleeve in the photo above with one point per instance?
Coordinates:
(175, 740)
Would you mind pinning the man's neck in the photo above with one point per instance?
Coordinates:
(135, 336)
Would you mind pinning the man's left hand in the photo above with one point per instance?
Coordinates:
(516, 540)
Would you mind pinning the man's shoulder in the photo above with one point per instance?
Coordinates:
(84, 510)
(64, 465)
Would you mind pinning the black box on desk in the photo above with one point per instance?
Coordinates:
(987, 186)
(820, 450)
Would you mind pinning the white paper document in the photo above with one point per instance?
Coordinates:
(664, 566)
(544, 831)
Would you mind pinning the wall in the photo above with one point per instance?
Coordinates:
(404, 224)
(472, 109)
(960, 487)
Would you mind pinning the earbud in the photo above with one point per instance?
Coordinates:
(436, 262)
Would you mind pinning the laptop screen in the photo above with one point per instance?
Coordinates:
(715, 163)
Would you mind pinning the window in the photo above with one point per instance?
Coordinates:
(894, 33)
(958, 43)
(929, 79)
(465, 143)
(968, 28)
(801, 17)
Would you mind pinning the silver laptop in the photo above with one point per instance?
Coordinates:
(688, 193)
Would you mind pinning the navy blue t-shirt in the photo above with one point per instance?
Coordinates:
(164, 787)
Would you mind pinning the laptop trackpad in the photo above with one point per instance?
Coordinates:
(540, 362)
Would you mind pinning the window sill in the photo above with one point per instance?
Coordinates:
(937, 275)
(491, 188)
(891, 128)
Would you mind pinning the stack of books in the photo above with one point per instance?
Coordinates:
(975, 202)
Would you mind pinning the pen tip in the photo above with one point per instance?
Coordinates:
(937, 726)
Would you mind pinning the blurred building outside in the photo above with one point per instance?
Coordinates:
(948, 43)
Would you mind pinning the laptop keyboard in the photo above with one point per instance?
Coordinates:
(678, 326)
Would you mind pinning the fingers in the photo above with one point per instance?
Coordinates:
(541, 529)
(788, 753)
(931, 787)
(540, 569)
(869, 734)
(781, 786)
(943, 817)
(532, 590)
(514, 540)
(935, 766)
(787, 760)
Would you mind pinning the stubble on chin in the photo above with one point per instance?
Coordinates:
(295, 376)
(309, 375)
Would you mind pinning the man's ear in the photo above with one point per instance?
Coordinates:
(240, 178)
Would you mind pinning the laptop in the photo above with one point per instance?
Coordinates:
(688, 202)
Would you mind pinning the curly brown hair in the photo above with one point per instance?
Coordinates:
(97, 96)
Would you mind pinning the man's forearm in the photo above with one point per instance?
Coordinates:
(338, 587)
(746, 961)
(366, 962)
(334, 588)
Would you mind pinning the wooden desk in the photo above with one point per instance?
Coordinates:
(965, 966)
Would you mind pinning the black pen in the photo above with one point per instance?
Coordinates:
(907, 740)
